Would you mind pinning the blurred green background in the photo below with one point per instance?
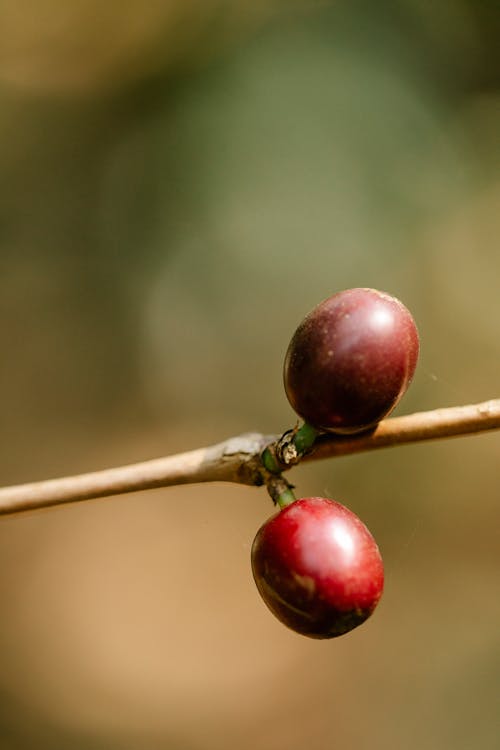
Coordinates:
(180, 183)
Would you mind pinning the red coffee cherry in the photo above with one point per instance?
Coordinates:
(318, 568)
(351, 360)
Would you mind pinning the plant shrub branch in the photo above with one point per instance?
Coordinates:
(238, 459)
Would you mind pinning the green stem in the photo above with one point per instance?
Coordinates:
(280, 490)
(285, 498)
(304, 438)
(269, 461)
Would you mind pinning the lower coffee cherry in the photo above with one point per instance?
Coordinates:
(318, 568)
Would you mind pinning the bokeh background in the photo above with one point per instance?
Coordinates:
(180, 182)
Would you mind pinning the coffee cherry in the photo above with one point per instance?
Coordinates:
(318, 568)
(351, 360)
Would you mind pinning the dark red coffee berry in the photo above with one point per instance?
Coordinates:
(318, 568)
(351, 360)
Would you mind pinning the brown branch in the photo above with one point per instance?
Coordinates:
(414, 428)
(238, 459)
(234, 460)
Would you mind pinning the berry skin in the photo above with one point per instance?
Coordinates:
(351, 360)
(318, 568)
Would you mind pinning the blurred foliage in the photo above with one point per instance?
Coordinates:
(181, 183)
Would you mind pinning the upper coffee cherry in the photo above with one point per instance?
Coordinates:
(351, 360)
(318, 568)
